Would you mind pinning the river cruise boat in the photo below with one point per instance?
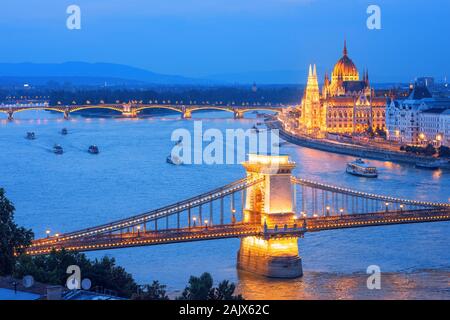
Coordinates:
(64, 131)
(30, 136)
(361, 169)
(93, 149)
(57, 149)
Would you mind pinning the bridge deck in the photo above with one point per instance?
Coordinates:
(313, 224)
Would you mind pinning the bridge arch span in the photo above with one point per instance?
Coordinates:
(227, 109)
(91, 107)
(138, 109)
(56, 109)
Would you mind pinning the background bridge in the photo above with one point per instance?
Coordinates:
(133, 109)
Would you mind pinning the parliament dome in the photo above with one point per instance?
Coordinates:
(345, 69)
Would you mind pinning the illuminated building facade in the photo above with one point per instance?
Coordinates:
(419, 119)
(346, 104)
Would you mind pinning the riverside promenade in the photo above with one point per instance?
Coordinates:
(359, 151)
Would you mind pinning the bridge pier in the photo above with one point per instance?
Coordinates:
(187, 114)
(238, 114)
(270, 203)
(66, 114)
(10, 115)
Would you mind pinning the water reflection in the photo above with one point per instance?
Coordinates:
(423, 284)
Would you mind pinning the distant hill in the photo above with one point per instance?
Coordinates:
(90, 73)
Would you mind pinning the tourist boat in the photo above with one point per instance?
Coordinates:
(255, 129)
(172, 159)
(64, 131)
(93, 149)
(179, 142)
(430, 165)
(361, 169)
(31, 136)
(57, 149)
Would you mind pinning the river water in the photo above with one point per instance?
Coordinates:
(130, 176)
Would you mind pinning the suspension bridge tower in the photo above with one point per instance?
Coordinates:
(270, 204)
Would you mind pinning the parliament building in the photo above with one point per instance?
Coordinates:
(346, 104)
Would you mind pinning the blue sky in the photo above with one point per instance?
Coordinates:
(204, 37)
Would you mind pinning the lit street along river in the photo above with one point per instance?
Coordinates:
(130, 175)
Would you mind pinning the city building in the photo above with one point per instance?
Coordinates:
(434, 126)
(425, 82)
(346, 104)
(416, 119)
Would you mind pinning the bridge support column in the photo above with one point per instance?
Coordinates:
(10, 115)
(186, 114)
(274, 253)
(66, 114)
(238, 114)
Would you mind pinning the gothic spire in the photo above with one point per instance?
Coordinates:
(345, 48)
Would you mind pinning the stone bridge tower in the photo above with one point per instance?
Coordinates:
(270, 203)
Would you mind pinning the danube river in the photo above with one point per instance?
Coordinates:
(130, 176)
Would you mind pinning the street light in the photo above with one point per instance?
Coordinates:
(341, 210)
(206, 224)
(138, 230)
(47, 232)
(194, 219)
(401, 207)
(328, 210)
(387, 205)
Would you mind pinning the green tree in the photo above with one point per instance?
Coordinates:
(198, 287)
(52, 269)
(224, 291)
(13, 239)
(155, 291)
(201, 288)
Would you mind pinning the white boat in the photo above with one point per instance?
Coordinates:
(179, 142)
(173, 159)
(361, 169)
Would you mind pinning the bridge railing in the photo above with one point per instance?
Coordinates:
(320, 199)
(170, 210)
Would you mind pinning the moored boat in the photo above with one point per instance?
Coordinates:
(93, 149)
(430, 165)
(57, 149)
(64, 131)
(31, 136)
(361, 169)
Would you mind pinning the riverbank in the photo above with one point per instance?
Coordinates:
(351, 149)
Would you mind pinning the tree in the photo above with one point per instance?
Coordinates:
(224, 291)
(52, 269)
(155, 291)
(201, 288)
(198, 287)
(13, 239)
